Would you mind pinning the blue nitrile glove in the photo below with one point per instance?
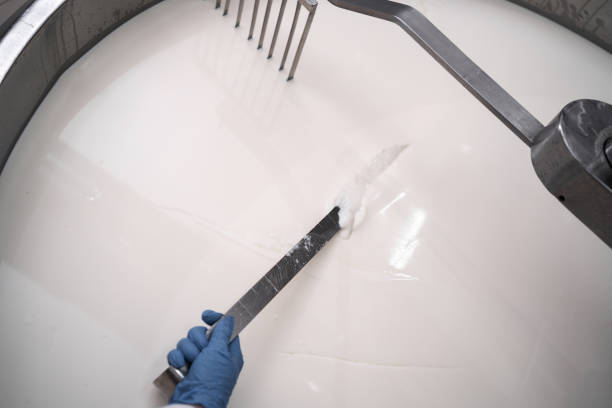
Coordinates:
(215, 363)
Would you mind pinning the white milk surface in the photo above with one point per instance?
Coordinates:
(172, 165)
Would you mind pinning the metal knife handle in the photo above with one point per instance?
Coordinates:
(266, 288)
(166, 382)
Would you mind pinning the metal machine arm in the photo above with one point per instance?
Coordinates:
(572, 156)
(443, 50)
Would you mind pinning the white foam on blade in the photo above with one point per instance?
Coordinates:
(350, 199)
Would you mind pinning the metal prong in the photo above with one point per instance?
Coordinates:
(281, 11)
(217, 4)
(298, 53)
(240, 7)
(226, 8)
(295, 19)
(265, 24)
(253, 19)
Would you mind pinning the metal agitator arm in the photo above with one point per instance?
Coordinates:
(572, 156)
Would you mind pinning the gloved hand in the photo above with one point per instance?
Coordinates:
(215, 363)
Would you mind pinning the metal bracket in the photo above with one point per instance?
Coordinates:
(572, 157)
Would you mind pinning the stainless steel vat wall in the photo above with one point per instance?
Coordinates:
(590, 19)
(74, 27)
(10, 11)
